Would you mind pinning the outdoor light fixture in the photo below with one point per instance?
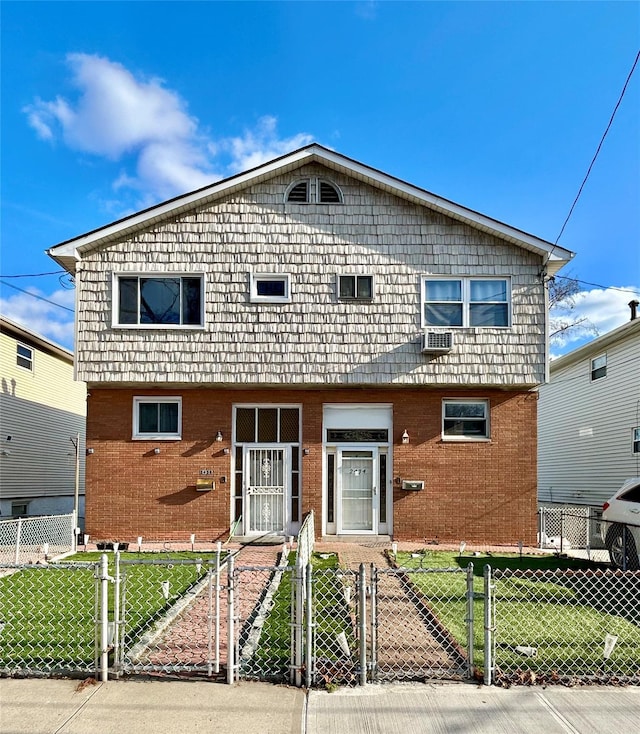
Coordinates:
(156, 450)
(219, 436)
(405, 436)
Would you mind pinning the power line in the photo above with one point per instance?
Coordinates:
(34, 275)
(33, 295)
(604, 135)
(598, 285)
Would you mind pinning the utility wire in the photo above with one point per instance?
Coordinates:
(34, 275)
(598, 285)
(593, 160)
(40, 298)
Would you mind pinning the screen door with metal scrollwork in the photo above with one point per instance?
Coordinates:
(266, 470)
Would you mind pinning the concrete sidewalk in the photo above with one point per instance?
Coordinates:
(170, 707)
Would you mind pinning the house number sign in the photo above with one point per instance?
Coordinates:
(206, 472)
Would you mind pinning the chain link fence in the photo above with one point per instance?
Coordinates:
(423, 623)
(166, 616)
(560, 626)
(32, 539)
(572, 530)
(49, 619)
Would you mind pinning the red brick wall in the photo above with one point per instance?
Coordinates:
(482, 492)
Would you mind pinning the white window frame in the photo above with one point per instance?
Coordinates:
(593, 368)
(255, 278)
(468, 438)
(29, 359)
(635, 440)
(367, 299)
(466, 302)
(115, 313)
(146, 399)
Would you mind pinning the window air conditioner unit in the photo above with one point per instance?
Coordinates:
(437, 342)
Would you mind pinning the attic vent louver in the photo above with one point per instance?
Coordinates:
(299, 194)
(328, 193)
(437, 342)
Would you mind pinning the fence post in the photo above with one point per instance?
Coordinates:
(310, 662)
(470, 620)
(230, 626)
(488, 630)
(362, 624)
(116, 614)
(374, 622)
(104, 618)
(299, 575)
(18, 537)
(217, 658)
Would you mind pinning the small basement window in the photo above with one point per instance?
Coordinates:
(313, 191)
(355, 287)
(270, 288)
(24, 357)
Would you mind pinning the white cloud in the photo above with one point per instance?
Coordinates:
(138, 121)
(42, 317)
(600, 310)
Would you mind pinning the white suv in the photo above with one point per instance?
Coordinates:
(620, 528)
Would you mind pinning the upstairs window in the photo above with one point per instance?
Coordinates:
(635, 444)
(157, 418)
(270, 288)
(355, 287)
(144, 300)
(313, 191)
(482, 302)
(599, 367)
(24, 357)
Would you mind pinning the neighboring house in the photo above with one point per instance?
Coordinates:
(42, 408)
(311, 334)
(589, 420)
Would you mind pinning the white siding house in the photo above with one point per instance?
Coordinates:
(589, 420)
(42, 408)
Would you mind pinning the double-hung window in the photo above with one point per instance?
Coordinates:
(483, 302)
(465, 420)
(635, 443)
(599, 367)
(24, 357)
(159, 300)
(157, 418)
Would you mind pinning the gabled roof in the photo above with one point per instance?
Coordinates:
(69, 252)
(21, 333)
(596, 346)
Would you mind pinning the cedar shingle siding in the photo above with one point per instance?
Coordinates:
(315, 338)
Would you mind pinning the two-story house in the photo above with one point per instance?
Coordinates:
(311, 334)
(42, 411)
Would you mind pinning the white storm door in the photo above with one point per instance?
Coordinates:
(357, 491)
(265, 479)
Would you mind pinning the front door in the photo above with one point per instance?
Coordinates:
(358, 496)
(266, 469)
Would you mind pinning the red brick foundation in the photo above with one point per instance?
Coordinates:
(483, 492)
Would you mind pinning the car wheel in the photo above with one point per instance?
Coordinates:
(622, 549)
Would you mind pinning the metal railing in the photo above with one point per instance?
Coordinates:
(32, 539)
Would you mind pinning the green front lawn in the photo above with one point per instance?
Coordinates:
(564, 617)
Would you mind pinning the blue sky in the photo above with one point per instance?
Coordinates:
(108, 107)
